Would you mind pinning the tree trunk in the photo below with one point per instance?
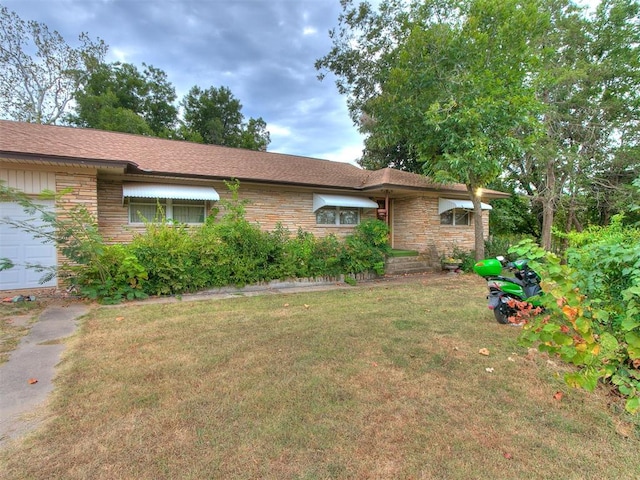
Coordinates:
(477, 223)
(548, 206)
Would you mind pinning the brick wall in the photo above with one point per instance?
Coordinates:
(416, 226)
(267, 206)
(80, 189)
(415, 220)
(292, 208)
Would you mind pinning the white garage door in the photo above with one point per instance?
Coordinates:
(21, 248)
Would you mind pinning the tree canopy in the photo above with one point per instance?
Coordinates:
(119, 97)
(62, 84)
(452, 93)
(39, 87)
(473, 90)
(215, 116)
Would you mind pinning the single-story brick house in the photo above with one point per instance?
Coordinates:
(120, 177)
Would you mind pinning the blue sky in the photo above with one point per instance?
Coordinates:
(263, 50)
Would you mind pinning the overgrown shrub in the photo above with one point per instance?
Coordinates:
(115, 274)
(592, 307)
(497, 245)
(366, 248)
(166, 250)
(170, 258)
(466, 258)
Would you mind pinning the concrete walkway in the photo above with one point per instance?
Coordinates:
(35, 358)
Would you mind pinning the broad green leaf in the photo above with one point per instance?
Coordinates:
(633, 339)
(562, 339)
(551, 328)
(633, 352)
(583, 325)
(632, 405)
(629, 323)
(608, 342)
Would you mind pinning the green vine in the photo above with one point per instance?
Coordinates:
(591, 304)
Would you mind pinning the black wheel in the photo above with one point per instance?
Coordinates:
(502, 313)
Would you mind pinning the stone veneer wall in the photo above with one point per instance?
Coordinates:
(267, 207)
(416, 226)
(82, 190)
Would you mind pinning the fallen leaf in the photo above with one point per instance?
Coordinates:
(558, 396)
(484, 351)
(119, 319)
(32, 381)
(306, 306)
(374, 364)
(507, 455)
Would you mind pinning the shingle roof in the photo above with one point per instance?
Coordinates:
(172, 157)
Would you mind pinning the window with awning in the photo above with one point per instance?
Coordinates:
(339, 209)
(323, 200)
(156, 202)
(179, 192)
(457, 212)
(445, 204)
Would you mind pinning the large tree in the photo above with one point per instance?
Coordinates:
(214, 116)
(588, 78)
(119, 97)
(39, 71)
(472, 88)
(453, 94)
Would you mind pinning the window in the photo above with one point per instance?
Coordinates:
(151, 209)
(455, 217)
(337, 216)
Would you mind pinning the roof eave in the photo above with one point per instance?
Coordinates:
(81, 162)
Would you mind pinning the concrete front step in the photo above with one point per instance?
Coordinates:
(415, 264)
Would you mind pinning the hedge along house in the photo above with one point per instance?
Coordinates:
(120, 178)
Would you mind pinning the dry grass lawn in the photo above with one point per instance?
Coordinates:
(374, 382)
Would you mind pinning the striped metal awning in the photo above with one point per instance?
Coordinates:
(161, 190)
(324, 200)
(445, 204)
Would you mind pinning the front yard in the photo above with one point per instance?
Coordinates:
(379, 381)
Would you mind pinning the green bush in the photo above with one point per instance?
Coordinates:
(592, 307)
(113, 275)
(497, 245)
(169, 258)
(467, 258)
(366, 248)
(166, 250)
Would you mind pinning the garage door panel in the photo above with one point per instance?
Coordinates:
(22, 248)
(38, 253)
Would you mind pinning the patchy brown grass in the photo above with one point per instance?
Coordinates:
(15, 321)
(380, 382)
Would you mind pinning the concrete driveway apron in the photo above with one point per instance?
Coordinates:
(35, 358)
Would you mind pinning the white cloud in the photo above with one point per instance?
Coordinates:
(278, 130)
(347, 154)
(120, 54)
